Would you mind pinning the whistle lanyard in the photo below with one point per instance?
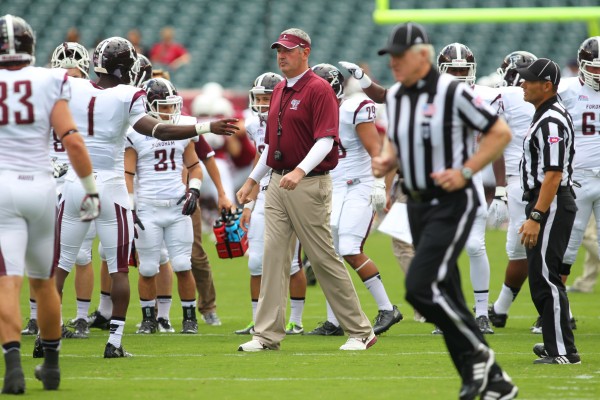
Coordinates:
(282, 105)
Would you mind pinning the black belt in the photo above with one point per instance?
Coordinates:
(310, 174)
(532, 194)
(423, 196)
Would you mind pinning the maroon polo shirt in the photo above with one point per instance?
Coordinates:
(308, 111)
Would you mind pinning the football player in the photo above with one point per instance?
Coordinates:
(159, 191)
(356, 195)
(34, 100)
(458, 60)
(253, 216)
(117, 104)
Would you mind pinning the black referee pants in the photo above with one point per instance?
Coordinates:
(545, 259)
(433, 287)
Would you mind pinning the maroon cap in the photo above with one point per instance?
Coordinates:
(290, 42)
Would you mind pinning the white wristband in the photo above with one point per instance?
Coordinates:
(365, 81)
(89, 184)
(500, 191)
(132, 201)
(155, 128)
(195, 183)
(202, 127)
(250, 205)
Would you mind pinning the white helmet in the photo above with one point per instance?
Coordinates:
(71, 55)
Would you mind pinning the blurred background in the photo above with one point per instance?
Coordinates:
(228, 40)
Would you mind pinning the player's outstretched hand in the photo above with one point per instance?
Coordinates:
(225, 126)
(353, 69)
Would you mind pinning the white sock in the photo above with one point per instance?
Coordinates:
(83, 308)
(32, 309)
(254, 307)
(116, 332)
(296, 310)
(505, 300)
(330, 315)
(375, 286)
(481, 303)
(164, 306)
(105, 307)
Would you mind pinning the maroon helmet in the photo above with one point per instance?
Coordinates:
(457, 57)
(117, 57)
(508, 69)
(17, 41)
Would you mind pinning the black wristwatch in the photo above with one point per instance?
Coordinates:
(467, 173)
(536, 216)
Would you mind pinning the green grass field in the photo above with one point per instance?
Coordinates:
(406, 363)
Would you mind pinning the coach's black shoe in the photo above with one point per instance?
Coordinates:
(475, 372)
(110, 351)
(50, 376)
(498, 320)
(327, 329)
(500, 388)
(97, 320)
(483, 323)
(14, 379)
(31, 328)
(385, 319)
(38, 350)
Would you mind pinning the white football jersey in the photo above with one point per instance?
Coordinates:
(354, 160)
(518, 114)
(159, 164)
(106, 116)
(27, 98)
(255, 127)
(583, 103)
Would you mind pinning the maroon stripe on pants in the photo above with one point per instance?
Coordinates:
(60, 210)
(367, 232)
(2, 264)
(122, 239)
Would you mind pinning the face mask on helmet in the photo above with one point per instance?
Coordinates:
(458, 60)
(17, 41)
(588, 58)
(162, 100)
(508, 69)
(117, 57)
(332, 75)
(260, 94)
(71, 55)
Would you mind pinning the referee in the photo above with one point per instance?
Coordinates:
(431, 120)
(546, 169)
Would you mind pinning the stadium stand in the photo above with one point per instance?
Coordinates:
(229, 39)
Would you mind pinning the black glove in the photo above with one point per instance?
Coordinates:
(136, 223)
(191, 201)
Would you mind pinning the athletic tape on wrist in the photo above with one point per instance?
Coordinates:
(195, 183)
(202, 127)
(250, 205)
(89, 184)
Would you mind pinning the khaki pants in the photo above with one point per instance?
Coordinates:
(591, 267)
(404, 252)
(201, 269)
(305, 213)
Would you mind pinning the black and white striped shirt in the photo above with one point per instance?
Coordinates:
(432, 125)
(548, 145)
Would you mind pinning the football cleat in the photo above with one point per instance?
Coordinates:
(50, 377)
(211, 318)
(483, 323)
(253, 346)
(190, 326)
(498, 320)
(327, 329)
(475, 372)
(81, 327)
(500, 388)
(437, 331)
(147, 326)
(110, 351)
(248, 330)
(358, 344)
(164, 326)
(97, 320)
(14, 381)
(38, 350)
(67, 334)
(293, 328)
(537, 326)
(31, 328)
(385, 319)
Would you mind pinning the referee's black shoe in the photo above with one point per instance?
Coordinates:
(476, 369)
(385, 319)
(498, 320)
(544, 358)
